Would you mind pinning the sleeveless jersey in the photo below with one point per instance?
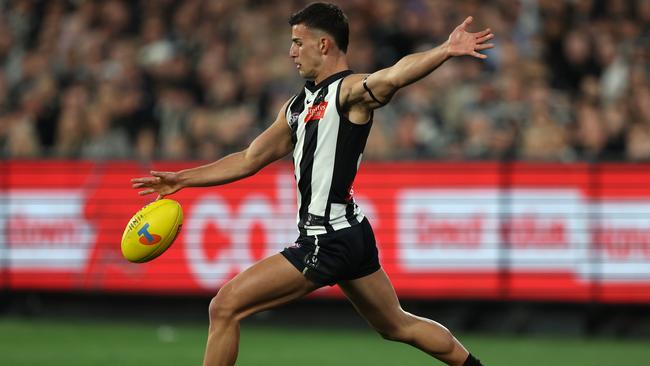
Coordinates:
(326, 156)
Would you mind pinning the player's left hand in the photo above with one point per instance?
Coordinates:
(163, 183)
(461, 42)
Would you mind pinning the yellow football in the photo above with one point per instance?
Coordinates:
(152, 230)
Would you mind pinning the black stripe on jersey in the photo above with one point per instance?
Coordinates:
(296, 106)
(307, 160)
(349, 214)
(351, 142)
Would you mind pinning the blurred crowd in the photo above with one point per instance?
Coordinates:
(197, 79)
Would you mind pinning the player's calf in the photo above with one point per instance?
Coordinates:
(427, 335)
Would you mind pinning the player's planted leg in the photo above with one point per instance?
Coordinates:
(271, 282)
(374, 298)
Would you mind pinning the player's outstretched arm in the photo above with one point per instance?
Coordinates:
(384, 83)
(273, 144)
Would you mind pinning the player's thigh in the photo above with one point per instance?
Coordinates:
(268, 283)
(375, 299)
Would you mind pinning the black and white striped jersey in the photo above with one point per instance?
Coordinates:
(326, 155)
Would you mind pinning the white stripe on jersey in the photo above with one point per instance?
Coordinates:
(323, 171)
(297, 152)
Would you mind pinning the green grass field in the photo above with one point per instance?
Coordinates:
(53, 343)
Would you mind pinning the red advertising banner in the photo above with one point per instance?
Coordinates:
(566, 232)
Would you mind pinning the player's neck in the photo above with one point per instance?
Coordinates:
(335, 65)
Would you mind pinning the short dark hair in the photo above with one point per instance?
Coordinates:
(326, 17)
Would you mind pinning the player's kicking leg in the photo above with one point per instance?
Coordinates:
(270, 282)
(374, 298)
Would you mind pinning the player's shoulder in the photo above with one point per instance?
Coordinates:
(296, 100)
(351, 89)
(351, 80)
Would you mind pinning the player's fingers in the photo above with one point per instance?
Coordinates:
(466, 22)
(482, 33)
(159, 197)
(144, 185)
(479, 55)
(158, 174)
(484, 46)
(145, 180)
(486, 37)
(146, 192)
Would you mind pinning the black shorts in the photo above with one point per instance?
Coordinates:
(346, 254)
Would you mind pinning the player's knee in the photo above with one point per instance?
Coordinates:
(394, 333)
(397, 331)
(223, 307)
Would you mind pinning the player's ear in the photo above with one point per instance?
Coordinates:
(324, 45)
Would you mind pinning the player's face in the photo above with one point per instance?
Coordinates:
(305, 51)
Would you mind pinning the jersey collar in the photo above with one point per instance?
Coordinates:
(312, 87)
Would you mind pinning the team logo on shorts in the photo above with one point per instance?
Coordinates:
(311, 260)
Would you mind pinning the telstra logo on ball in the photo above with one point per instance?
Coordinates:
(146, 237)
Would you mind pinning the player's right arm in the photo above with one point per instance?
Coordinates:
(368, 92)
(271, 145)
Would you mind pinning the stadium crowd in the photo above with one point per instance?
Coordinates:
(197, 79)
